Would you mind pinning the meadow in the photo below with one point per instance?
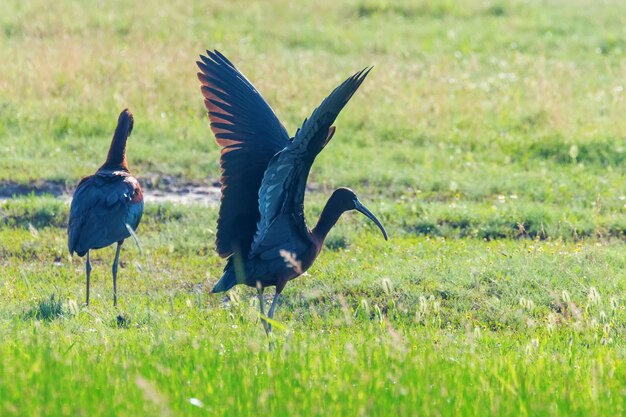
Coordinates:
(490, 140)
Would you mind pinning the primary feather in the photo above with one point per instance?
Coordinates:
(284, 182)
(250, 135)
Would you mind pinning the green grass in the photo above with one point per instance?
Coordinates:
(452, 326)
(489, 139)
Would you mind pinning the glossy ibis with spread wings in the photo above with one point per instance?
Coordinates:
(261, 227)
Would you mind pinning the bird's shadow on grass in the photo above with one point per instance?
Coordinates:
(122, 321)
(135, 319)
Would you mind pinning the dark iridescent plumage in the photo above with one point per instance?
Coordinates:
(261, 227)
(105, 204)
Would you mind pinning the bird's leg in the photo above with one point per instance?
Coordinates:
(88, 270)
(279, 289)
(266, 326)
(114, 269)
(270, 314)
(280, 286)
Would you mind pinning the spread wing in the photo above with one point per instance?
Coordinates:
(99, 211)
(282, 190)
(250, 135)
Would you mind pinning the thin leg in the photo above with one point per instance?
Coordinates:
(266, 326)
(273, 308)
(117, 257)
(88, 270)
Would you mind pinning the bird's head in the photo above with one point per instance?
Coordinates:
(347, 200)
(116, 158)
(125, 123)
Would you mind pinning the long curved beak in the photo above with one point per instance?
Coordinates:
(360, 207)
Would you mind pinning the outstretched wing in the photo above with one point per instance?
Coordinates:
(250, 135)
(282, 190)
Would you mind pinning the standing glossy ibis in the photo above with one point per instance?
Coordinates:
(261, 227)
(106, 205)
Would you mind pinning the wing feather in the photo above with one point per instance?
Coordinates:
(250, 134)
(284, 184)
(99, 210)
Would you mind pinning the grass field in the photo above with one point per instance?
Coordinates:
(490, 139)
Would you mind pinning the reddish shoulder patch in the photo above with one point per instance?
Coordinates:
(137, 192)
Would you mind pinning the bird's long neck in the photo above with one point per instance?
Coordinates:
(117, 152)
(331, 213)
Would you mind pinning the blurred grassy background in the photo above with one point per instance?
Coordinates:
(489, 138)
(469, 103)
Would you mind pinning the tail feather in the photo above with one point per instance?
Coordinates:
(225, 283)
(228, 279)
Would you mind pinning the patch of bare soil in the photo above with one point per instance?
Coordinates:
(156, 189)
(188, 194)
(9, 189)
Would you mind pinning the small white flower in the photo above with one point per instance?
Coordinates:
(196, 402)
